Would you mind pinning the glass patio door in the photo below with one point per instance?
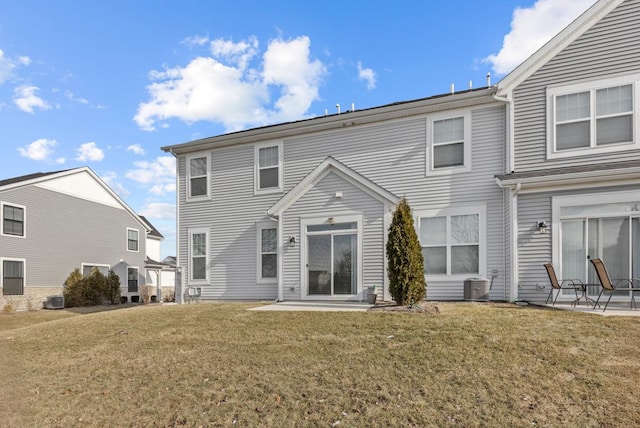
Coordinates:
(613, 239)
(332, 259)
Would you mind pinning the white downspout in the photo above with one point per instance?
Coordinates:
(510, 167)
(280, 261)
(515, 276)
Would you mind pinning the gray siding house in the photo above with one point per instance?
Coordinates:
(301, 210)
(574, 152)
(52, 223)
(544, 166)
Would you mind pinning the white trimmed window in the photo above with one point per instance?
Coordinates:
(453, 241)
(198, 255)
(12, 274)
(268, 168)
(88, 267)
(13, 220)
(592, 117)
(132, 279)
(448, 143)
(198, 177)
(132, 239)
(267, 246)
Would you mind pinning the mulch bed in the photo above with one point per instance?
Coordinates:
(424, 308)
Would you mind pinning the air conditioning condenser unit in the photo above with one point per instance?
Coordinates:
(54, 302)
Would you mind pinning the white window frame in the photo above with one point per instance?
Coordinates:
(448, 212)
(138, 240)
(206, 196)
(24, 219)
(260, 226)
(197, 231)
(256, 169)
(82, 266)
(138, 278)
(591, 86)
(24, 274)
(304, 254)
(466, 167)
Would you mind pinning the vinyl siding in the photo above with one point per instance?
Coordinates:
(320, 202)
(611, 47)
(64, 231)
(535, 249)
(390, 153)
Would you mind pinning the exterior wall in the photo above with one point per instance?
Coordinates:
(63, 231)
(230, 216)
(535, 249)
(153, 248)
(320, 202)
(392, 154)
(611, 47)
(608, 49)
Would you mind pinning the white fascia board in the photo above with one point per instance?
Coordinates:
(586, 179)
(327, 166)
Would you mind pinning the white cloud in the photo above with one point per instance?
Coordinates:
(113, 181)
(26, 99)
(196, 40)
(287, 64)
(89, 152)
(6, 67)
(224, 88)
(72, 97)
(368, 75)
(159, 210)
(159, 174)
(40, 150)
(136, 149)
(531, 28)
(24, 60)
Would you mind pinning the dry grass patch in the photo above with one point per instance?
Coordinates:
(211, 365)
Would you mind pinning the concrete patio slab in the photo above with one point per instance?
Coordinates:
(612, 309)
(314, 306)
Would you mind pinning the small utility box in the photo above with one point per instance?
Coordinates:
(476, 289)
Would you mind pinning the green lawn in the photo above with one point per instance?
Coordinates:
(211, 365)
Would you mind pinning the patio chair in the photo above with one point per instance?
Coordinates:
(612, 286)
(564, 284)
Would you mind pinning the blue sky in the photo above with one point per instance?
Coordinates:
(106, 84)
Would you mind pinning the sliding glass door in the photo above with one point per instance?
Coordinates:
(615, 240)
(332, 259)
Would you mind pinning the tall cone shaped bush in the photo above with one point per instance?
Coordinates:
(404, 254)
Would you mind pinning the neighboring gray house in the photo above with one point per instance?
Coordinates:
(301, 210)
(52, 223)
(574, 152)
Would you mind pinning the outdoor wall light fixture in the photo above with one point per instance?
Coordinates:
(292, 241)
(330, 220)
(542, 227)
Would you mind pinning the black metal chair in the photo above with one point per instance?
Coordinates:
(615, 285)
(564, 284)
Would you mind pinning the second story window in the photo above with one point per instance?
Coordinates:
(448, 144)
(132, 239)
(268, 169)
(592, 117)
(198, 177)
(13, 220)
